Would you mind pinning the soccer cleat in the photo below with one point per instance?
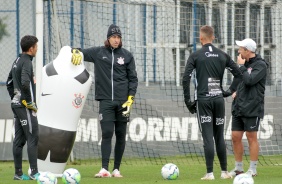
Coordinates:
(103, 173)
(251, 173)
(235, 172)
(22, 177)
(208, 176)
(116, 173)
(34, 177)
(225, 175)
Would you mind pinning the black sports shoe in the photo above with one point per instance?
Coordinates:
(22, 177)
(34, 177)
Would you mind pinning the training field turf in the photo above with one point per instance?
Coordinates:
(146, 173)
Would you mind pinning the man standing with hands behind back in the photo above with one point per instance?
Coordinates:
(21, 87)
(210, 63)
(248, 104)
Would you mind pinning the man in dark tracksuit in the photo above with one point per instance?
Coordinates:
(115, 87)
(21, 88)
(248, 104)
(209, 63)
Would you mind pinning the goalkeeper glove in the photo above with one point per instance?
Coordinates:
(191, 106)
(30, 105)
(127, 105)
(76, 57)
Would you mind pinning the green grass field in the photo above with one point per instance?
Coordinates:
(147, 173)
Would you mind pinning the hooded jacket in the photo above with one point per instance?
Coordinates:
(249, 101)
(115, 72)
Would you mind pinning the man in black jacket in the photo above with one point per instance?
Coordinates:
(248, 104)
(115, 87)
(21, 87)
(210, 63)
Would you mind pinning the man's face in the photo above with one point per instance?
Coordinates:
(201, 38)
(33, 50)
(244, 52)
(115, 41)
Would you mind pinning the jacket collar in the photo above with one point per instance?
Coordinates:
(26, 55)
(254, 59)
(112, 49)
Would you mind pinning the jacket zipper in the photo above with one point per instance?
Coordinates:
(112, 74)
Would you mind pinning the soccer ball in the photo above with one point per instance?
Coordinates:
(170, 171)
(47, 178)
(71, 176)
(243, 179)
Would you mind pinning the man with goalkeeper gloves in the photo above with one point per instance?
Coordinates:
(210, 63)
(115, 87)
(21, 87)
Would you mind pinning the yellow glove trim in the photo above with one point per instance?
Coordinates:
(76, 57)
(128, 104)
(30, 106)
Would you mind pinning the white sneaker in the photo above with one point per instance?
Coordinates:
(235, 172)
(251, 173)
(208, 176)
(116, 173)
(225, 175)
(103, 173)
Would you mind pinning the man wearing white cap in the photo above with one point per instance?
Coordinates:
(248, 104)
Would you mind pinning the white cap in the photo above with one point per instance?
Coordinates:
(248, 44)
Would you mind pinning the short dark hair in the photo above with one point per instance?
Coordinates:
(28, 41)
(208, 31)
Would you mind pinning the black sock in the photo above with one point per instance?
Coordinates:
(34, 171)
(19, 172)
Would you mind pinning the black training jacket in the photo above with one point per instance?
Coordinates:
(20, 83)
(249, 101)
(209, 63)
(115, 72)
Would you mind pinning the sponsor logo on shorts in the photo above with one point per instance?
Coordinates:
(23, 122)
(205, 119)
(219, 121)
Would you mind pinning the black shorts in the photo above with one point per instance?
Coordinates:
(240, 123)
(112, 111)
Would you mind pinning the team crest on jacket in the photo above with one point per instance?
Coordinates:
(120, 60)
(250, 70)
(77, 102)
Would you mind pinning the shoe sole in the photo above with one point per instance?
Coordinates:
(117, 176)
(206, 179)
(18, 178)
(102, 176)
(226, 177)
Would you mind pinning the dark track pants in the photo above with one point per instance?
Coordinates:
(26, 130)
(211, 119)
(112, 120)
